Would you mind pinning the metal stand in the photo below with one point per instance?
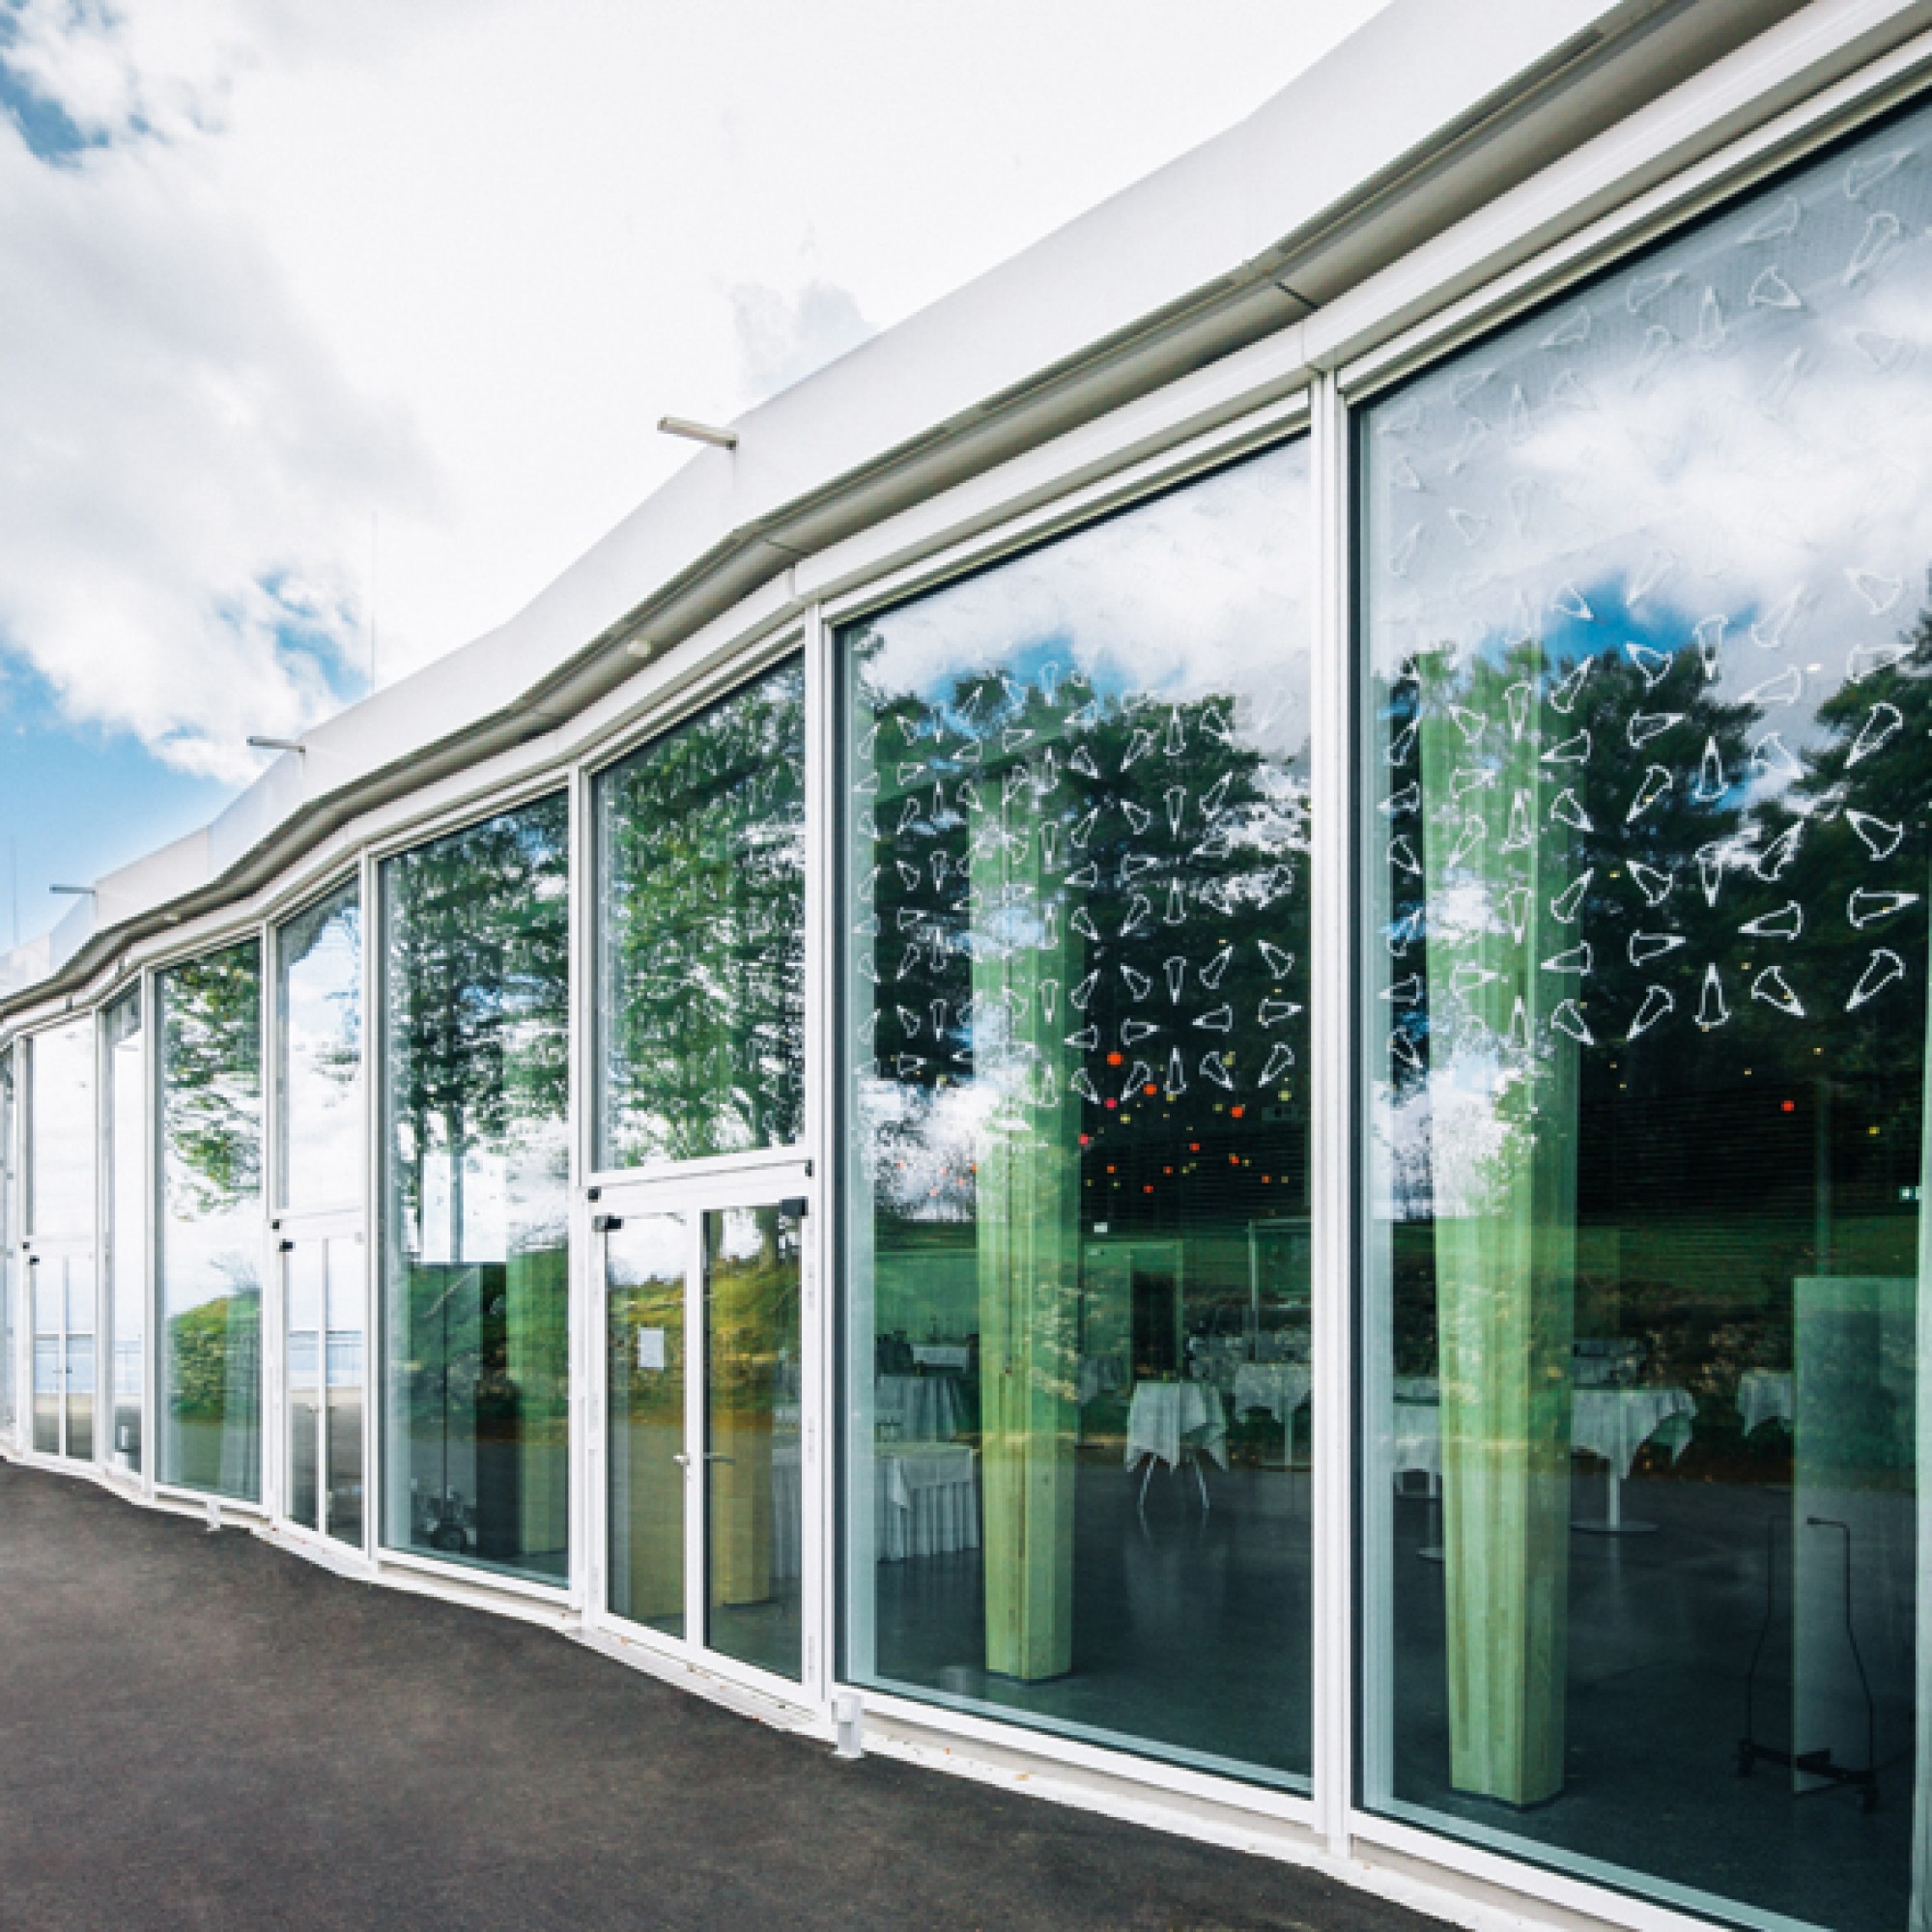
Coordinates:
(1189, 1454)
(1611, 1522)
(1813, 1763)
(1432, 1553)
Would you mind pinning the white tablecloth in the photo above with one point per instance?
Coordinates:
(1764, 1395)
(943, 1355)
(917, 1408)
(1166, 1415)
(1279, 1387)
(1616, 1423)
(926, 1500)
(1612, 1423)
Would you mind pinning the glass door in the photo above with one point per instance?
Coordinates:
(63, 1295)
(703, 1477)
(323, 1378)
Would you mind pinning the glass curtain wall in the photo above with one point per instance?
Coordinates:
(127, 1124)
(700, 869)
(1648, 695)
(1075, 929)
(475, 959)
(61, 1210)
(209, 1245)
(700, 850)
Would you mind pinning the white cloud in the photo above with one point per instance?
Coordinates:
(1202, 593)
(184, 453)
(334, 259)
(782, 339)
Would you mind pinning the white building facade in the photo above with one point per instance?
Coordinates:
(1178, 1050)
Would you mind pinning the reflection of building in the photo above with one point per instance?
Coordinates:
(1186, 1037)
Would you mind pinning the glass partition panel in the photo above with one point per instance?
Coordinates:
(208, 1250)
(1649, 707)
(10, 1250)
(305, 1285)
(476, 966)
(646, 1261)
(344, 1389)
(127, 1228)
(61, 1130)
(80, 1357)
(752, 1468)
(318, 1007)
(47, 1278)
(701, 860)
(1075, 926)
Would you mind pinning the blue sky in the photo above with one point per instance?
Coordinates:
(326, 317)
(78, 801)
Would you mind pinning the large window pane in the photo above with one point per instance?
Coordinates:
(60, 1137)
(646, 1258)
(209, 1255)
(751, 1340)
(1649, 683)
(9, 1244)
(475, 958)
(128, 1229)
(1075, 931)
(700, 841)
(319, 1002)
(60, 1133)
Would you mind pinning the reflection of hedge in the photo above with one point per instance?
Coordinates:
(213, 1350)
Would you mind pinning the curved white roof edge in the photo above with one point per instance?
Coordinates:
(1427, 114)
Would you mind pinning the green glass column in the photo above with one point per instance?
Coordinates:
(1026, 960)
(1504, 970)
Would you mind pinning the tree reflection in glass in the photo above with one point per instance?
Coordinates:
(319, 965)
(701, 943)
(1649, 711)
(208, 1250)
(475, 957)
(1077, 931)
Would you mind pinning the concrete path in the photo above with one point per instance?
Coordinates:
(200, 1731)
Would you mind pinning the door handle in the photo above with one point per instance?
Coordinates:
(681, 1458)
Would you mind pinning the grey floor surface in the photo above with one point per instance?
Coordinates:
(201, 1731)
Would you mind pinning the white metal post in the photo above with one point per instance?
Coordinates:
(581, 1100)
(1331, 1148)
(374, 1045)
(818, 1324)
